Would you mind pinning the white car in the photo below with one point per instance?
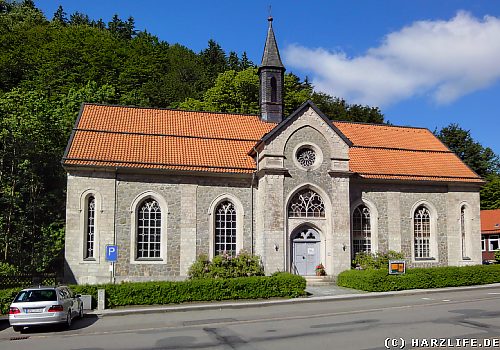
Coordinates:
(38, 306)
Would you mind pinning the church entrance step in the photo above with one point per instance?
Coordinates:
(319, 280)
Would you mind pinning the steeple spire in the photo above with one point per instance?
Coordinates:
(271, 56)
(271, 75)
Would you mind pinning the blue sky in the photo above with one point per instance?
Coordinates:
(426, 63)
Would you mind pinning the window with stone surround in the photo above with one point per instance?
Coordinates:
(90, 229)
(148, 241)
(306, 204)
(422, 233)
(361, 230)
(225, 229)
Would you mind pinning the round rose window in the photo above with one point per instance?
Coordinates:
(306, 157)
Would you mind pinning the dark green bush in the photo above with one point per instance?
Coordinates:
(433, 277)
(227, 266)
(158, 293)
(379, 260)
(6, 297)
(497, 255)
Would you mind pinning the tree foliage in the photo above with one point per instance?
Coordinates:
(480, 159)
(49, 67)
(238, 92)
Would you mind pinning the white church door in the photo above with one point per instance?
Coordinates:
(306, 252)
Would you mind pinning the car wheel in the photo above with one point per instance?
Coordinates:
(80, 313)
(68, 320)
(18, 328)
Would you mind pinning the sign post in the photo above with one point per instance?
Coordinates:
(397, 267)
(112, 257)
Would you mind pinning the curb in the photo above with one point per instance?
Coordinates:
(249, 304)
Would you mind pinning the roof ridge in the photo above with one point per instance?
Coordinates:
(402, 149)
(416, 175)
(382, 125)
(165, 135)
(167, 109)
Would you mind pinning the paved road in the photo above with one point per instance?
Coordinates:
(341, 324)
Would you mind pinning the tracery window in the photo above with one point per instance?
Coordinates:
(308, 204)
(90, 228)
(225, 229)
(361, 230)
(422, 232)
(149, 230)
(306, 157)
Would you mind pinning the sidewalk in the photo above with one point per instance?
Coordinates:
(318, 294)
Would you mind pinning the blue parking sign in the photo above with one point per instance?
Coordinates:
(112, 253)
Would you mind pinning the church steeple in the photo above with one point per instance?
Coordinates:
(271, 75)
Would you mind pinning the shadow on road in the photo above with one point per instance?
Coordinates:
(4, 324)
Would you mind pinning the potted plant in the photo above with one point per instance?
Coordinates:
(320, 270)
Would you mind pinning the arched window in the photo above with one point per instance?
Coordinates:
(306, 204)
(90, 229)
(422, 232)
(361, 230)
(463, 231)
(149, 230)
(225, 229)
(274, 90)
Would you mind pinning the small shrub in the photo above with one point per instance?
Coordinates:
(226, 266)
(497, 255)
(379, 260)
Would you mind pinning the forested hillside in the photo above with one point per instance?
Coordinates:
(49, 66)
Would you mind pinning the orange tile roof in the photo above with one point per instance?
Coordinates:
(490, 221)
(132, 137)
(382, 151)
(387, 136)
(115, 136)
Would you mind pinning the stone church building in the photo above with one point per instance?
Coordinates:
(166, 186)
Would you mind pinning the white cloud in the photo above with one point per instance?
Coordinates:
(445, 59)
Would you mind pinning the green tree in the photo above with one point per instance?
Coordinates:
(60, 16)
(79, 19)
(234, 92)
(490, 192)
(33, 133)
(238, 92)
(480, 159)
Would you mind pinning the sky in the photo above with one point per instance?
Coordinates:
(425, 63)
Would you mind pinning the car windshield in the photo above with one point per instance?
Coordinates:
(36, 295)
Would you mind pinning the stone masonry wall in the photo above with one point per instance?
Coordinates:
(394, 204)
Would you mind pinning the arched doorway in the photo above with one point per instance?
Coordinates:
(306, 255)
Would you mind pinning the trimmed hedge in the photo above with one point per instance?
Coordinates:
(419, 278)
(284, 285)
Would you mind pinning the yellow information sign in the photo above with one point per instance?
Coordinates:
(397, 267)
